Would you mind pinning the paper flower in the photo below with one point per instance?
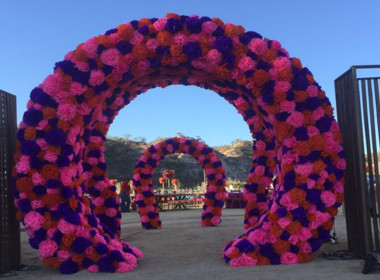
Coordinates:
(162, 180)
(175, 182)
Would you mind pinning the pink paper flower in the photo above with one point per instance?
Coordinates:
(111, 212)
(304, 169)
(137, 38)
(152, 44)
(198, 64)
(215, 220)
(219, 196)
(318, 113)
(243, 260)
(180, 39)
(81, 66)
(312, 90)
(289, 258)
(50, 157)
(214, 55)
(276, 45)
(209, 27)
(66, 176)
(338, 187)
(66, 112)
(42, 124)
(312, 131)
(159, 24)
(90, 47)
(66, 227)
(52, 83)
(47, 248)
(283, 222)
(281, 63)
(23, 166)
(306, 248)
(124, 267)
(37, 204)
(293, 239)
(33, 220)
(250, 197)
(288, 106)
(258, 46)
(144, 219)
(93, 268)
(261, 205)
(258, 236)
(304, 234)
(328, 198)
(260, 145)
(90, 250)
(63, 255)
(282, 86)
(96, 78)
(341, 164)
(246, 63)
(295, 119)
(211, 188)
(143, 65)
(61, 96)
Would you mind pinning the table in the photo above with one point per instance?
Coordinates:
(176, 200)
(234, 200)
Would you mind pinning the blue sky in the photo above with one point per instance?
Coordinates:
(328, 36)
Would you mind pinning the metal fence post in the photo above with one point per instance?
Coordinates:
(356, 116)
(10, 252)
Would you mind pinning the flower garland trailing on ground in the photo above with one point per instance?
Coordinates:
(61, 141)
(215, 173)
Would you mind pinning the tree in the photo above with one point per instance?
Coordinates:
(236, 141)
(140, 139)
(198, 138)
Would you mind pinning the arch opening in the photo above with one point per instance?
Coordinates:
(179, 110)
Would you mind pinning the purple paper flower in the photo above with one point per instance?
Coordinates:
(223, 44)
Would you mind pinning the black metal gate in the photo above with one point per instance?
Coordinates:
(10, 253)
(358, 109)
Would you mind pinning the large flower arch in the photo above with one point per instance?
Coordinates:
(207, 158)
(61, 141)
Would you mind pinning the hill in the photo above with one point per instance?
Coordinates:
(122, 155)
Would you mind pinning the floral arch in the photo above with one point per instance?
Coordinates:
(215, 174)
(61, 141)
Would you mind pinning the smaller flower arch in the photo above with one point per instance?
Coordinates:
(215, 174)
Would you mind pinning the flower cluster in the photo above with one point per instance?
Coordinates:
(215, 174)
(61, 141)
(162, 180)
(175, 182)
(168, 174)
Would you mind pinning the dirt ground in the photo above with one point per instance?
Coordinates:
(183, 249)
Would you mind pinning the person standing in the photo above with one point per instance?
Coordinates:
(125, 192)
